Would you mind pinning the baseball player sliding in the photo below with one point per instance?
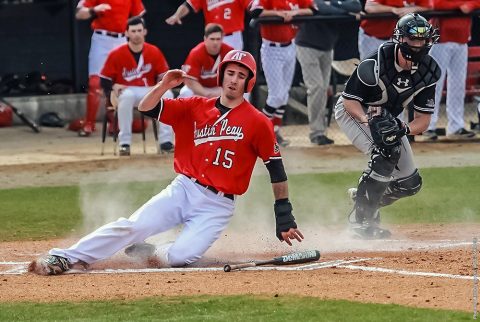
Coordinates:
(227, 13)
(217, 143)
(109, 19)
(130, 71)
(399, 74)
(278, 54)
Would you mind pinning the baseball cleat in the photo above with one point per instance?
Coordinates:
(167, 147)
(49, 265)
(124, 150)
(366, 231)
(140, 250)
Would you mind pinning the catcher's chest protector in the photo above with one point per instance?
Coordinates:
(396, 89)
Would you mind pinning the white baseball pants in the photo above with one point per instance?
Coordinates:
(235, 40)
(278, 64)
(128, 99)
(453, 59)
(203, 213)
(367, 44)
(100, 46)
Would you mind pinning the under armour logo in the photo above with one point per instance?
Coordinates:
(404, 82)
(239, 55)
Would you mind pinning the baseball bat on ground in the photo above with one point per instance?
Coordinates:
(22, 116)
(290, 259)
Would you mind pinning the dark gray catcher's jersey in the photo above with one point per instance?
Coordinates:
(379, 81)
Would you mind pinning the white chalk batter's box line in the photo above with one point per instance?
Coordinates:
(21, 268)
(345, 264)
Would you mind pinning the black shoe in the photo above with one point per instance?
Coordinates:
(371, 231)
(281, 141)
(124, 150)
(322, 140)
(461, 134)
(167, 147)
(140, 250)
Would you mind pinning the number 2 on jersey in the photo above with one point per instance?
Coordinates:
(227, 161)
(227, 14)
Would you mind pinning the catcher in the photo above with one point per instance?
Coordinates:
(399, 75)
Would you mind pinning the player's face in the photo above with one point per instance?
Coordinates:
(136, 34)
(234, 79)
(213, 43)
(415, 44)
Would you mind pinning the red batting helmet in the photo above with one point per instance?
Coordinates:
(243, 58)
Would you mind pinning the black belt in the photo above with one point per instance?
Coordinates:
(212, 189)
(109, 33)
(279, 44)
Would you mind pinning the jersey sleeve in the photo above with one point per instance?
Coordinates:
(109, 70)
(137, 8)
(258, 5)
(355, 89)
(264, 141)
(175, 111)
(191, 66)
(86, 4)
(306, 3)
(196, 5)
(424, 101)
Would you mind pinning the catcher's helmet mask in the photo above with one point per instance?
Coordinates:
(415, 27)
(241, 58)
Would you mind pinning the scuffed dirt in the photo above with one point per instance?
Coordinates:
(57, 158)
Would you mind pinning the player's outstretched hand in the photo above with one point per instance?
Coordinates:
(172, 20)
(102, 7)
(292, 233)
(174, 77)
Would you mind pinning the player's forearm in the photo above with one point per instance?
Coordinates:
(269, 13)
(420, 123)
(304, 12)
(280, 190)
(83, 13)
(355, 109)
(182, 11)
(153, 97)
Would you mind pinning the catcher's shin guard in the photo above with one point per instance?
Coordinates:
(401, 188)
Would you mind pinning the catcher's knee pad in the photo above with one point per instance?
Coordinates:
(383, 162)
(401, 188)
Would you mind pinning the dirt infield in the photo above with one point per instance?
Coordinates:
(422, 266)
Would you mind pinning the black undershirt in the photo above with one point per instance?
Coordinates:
(222, 108)
(136, 56)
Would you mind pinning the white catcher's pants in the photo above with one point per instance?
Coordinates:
(128, 99)
(203, 213)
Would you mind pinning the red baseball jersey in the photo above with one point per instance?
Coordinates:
(383, 28)
(218, 150)
(230, 14)
(456, 29)
(121, 67)
(201, 65)
(280, 33)
(116, 18)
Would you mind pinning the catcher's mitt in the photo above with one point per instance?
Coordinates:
(386, 130)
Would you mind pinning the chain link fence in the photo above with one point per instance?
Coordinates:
(345, 59)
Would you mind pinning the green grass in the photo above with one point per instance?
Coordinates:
(448, 195)
(224, 308)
